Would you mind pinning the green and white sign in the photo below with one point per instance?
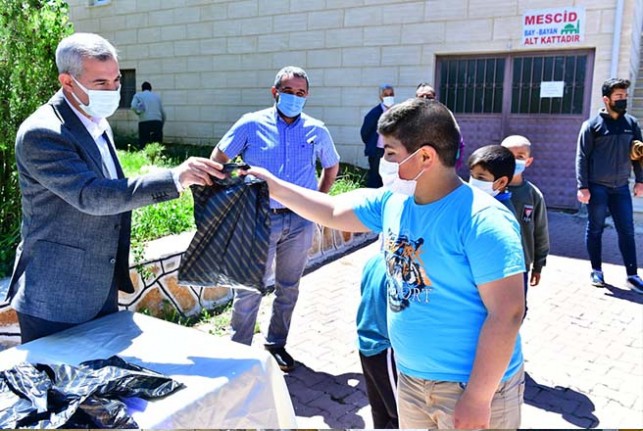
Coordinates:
(547, 27)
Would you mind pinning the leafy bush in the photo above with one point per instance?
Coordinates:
(29, 34)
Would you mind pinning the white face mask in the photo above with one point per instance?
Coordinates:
(390, 173)
(102, 103)
(520, 166)
(388, 101)
(485, 186)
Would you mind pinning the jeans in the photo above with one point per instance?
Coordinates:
(429, 404)
(619, 202)
(290, 240)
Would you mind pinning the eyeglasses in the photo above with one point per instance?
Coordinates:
(426, 96)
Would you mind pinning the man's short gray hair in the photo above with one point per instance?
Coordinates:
(384, 87)
(73, 49)
(287, 71)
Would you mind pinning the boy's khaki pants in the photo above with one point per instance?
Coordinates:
(430, 404)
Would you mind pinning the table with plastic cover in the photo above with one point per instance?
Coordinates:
(228, 385)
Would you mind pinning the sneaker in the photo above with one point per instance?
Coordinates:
(635, 283)
(284, 360)
(597, 278)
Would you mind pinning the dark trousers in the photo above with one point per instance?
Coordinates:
(525, 280)
(619, 202)
(32, 328)
(380, 376)
(150, 131)
(373, 179)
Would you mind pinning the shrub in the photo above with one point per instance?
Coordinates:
(29, 34)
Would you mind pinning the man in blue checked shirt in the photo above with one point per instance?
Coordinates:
(288, 143)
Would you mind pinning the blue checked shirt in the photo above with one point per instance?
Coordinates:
(288, 151)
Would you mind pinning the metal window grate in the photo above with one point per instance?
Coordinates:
(472, 86)
(529, 72)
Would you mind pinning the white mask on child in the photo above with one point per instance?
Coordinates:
(390, 173)
(485, 186)
(520, 167)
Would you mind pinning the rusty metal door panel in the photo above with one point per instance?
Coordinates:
(473, 86)
(553, 140)
(477, 131)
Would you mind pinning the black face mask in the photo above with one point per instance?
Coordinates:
(619, 106)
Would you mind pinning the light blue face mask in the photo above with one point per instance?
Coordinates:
(520, 167)
(290, 105)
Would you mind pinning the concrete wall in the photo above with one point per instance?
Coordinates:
(212, 61)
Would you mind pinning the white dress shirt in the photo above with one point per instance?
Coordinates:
(96, 128)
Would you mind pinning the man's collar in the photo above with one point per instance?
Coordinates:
(278, 116)
(96, 126)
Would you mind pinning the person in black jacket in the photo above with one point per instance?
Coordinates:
(603, 168)
(374, 148)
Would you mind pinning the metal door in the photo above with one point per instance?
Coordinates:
(496, 96)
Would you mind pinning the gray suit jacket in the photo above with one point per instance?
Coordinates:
(72, 218)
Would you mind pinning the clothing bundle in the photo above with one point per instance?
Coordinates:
(84, 396)
(230, 246)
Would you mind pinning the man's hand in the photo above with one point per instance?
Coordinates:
(471, 414)
(534, 279)
(638, 190)
(583, 196)
(198, 170)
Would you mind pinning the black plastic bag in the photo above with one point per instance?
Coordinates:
(87, 396)
(230, 246)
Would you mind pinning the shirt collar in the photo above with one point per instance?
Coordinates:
(96, 126)
(278, 117)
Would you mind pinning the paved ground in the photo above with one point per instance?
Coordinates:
(583, 345)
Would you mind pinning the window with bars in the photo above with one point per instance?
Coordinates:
(128, 87)
(472, 86)
(529, 72)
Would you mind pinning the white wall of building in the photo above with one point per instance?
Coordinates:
(212, 61)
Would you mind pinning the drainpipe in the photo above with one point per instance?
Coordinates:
(616, 43)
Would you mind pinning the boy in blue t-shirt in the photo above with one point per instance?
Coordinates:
(454, 265)
(375, 353)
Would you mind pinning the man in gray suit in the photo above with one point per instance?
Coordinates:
(73, 257)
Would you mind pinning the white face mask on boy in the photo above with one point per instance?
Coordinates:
(485, 186)
(390, 173)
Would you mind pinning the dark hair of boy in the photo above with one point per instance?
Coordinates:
(496, 159)
(407, 122)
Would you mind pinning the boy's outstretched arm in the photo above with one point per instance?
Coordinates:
(332, 211)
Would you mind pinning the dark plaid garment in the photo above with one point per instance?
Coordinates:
(84, 396)
(230, 247)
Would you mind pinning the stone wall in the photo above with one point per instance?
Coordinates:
(157, 291)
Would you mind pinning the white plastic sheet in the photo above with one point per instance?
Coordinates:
(228, 385)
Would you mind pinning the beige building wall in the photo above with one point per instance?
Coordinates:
(212, 61)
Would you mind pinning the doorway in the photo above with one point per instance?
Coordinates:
(544, 96)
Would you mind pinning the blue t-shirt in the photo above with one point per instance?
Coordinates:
(372, 333)
(436, 256)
